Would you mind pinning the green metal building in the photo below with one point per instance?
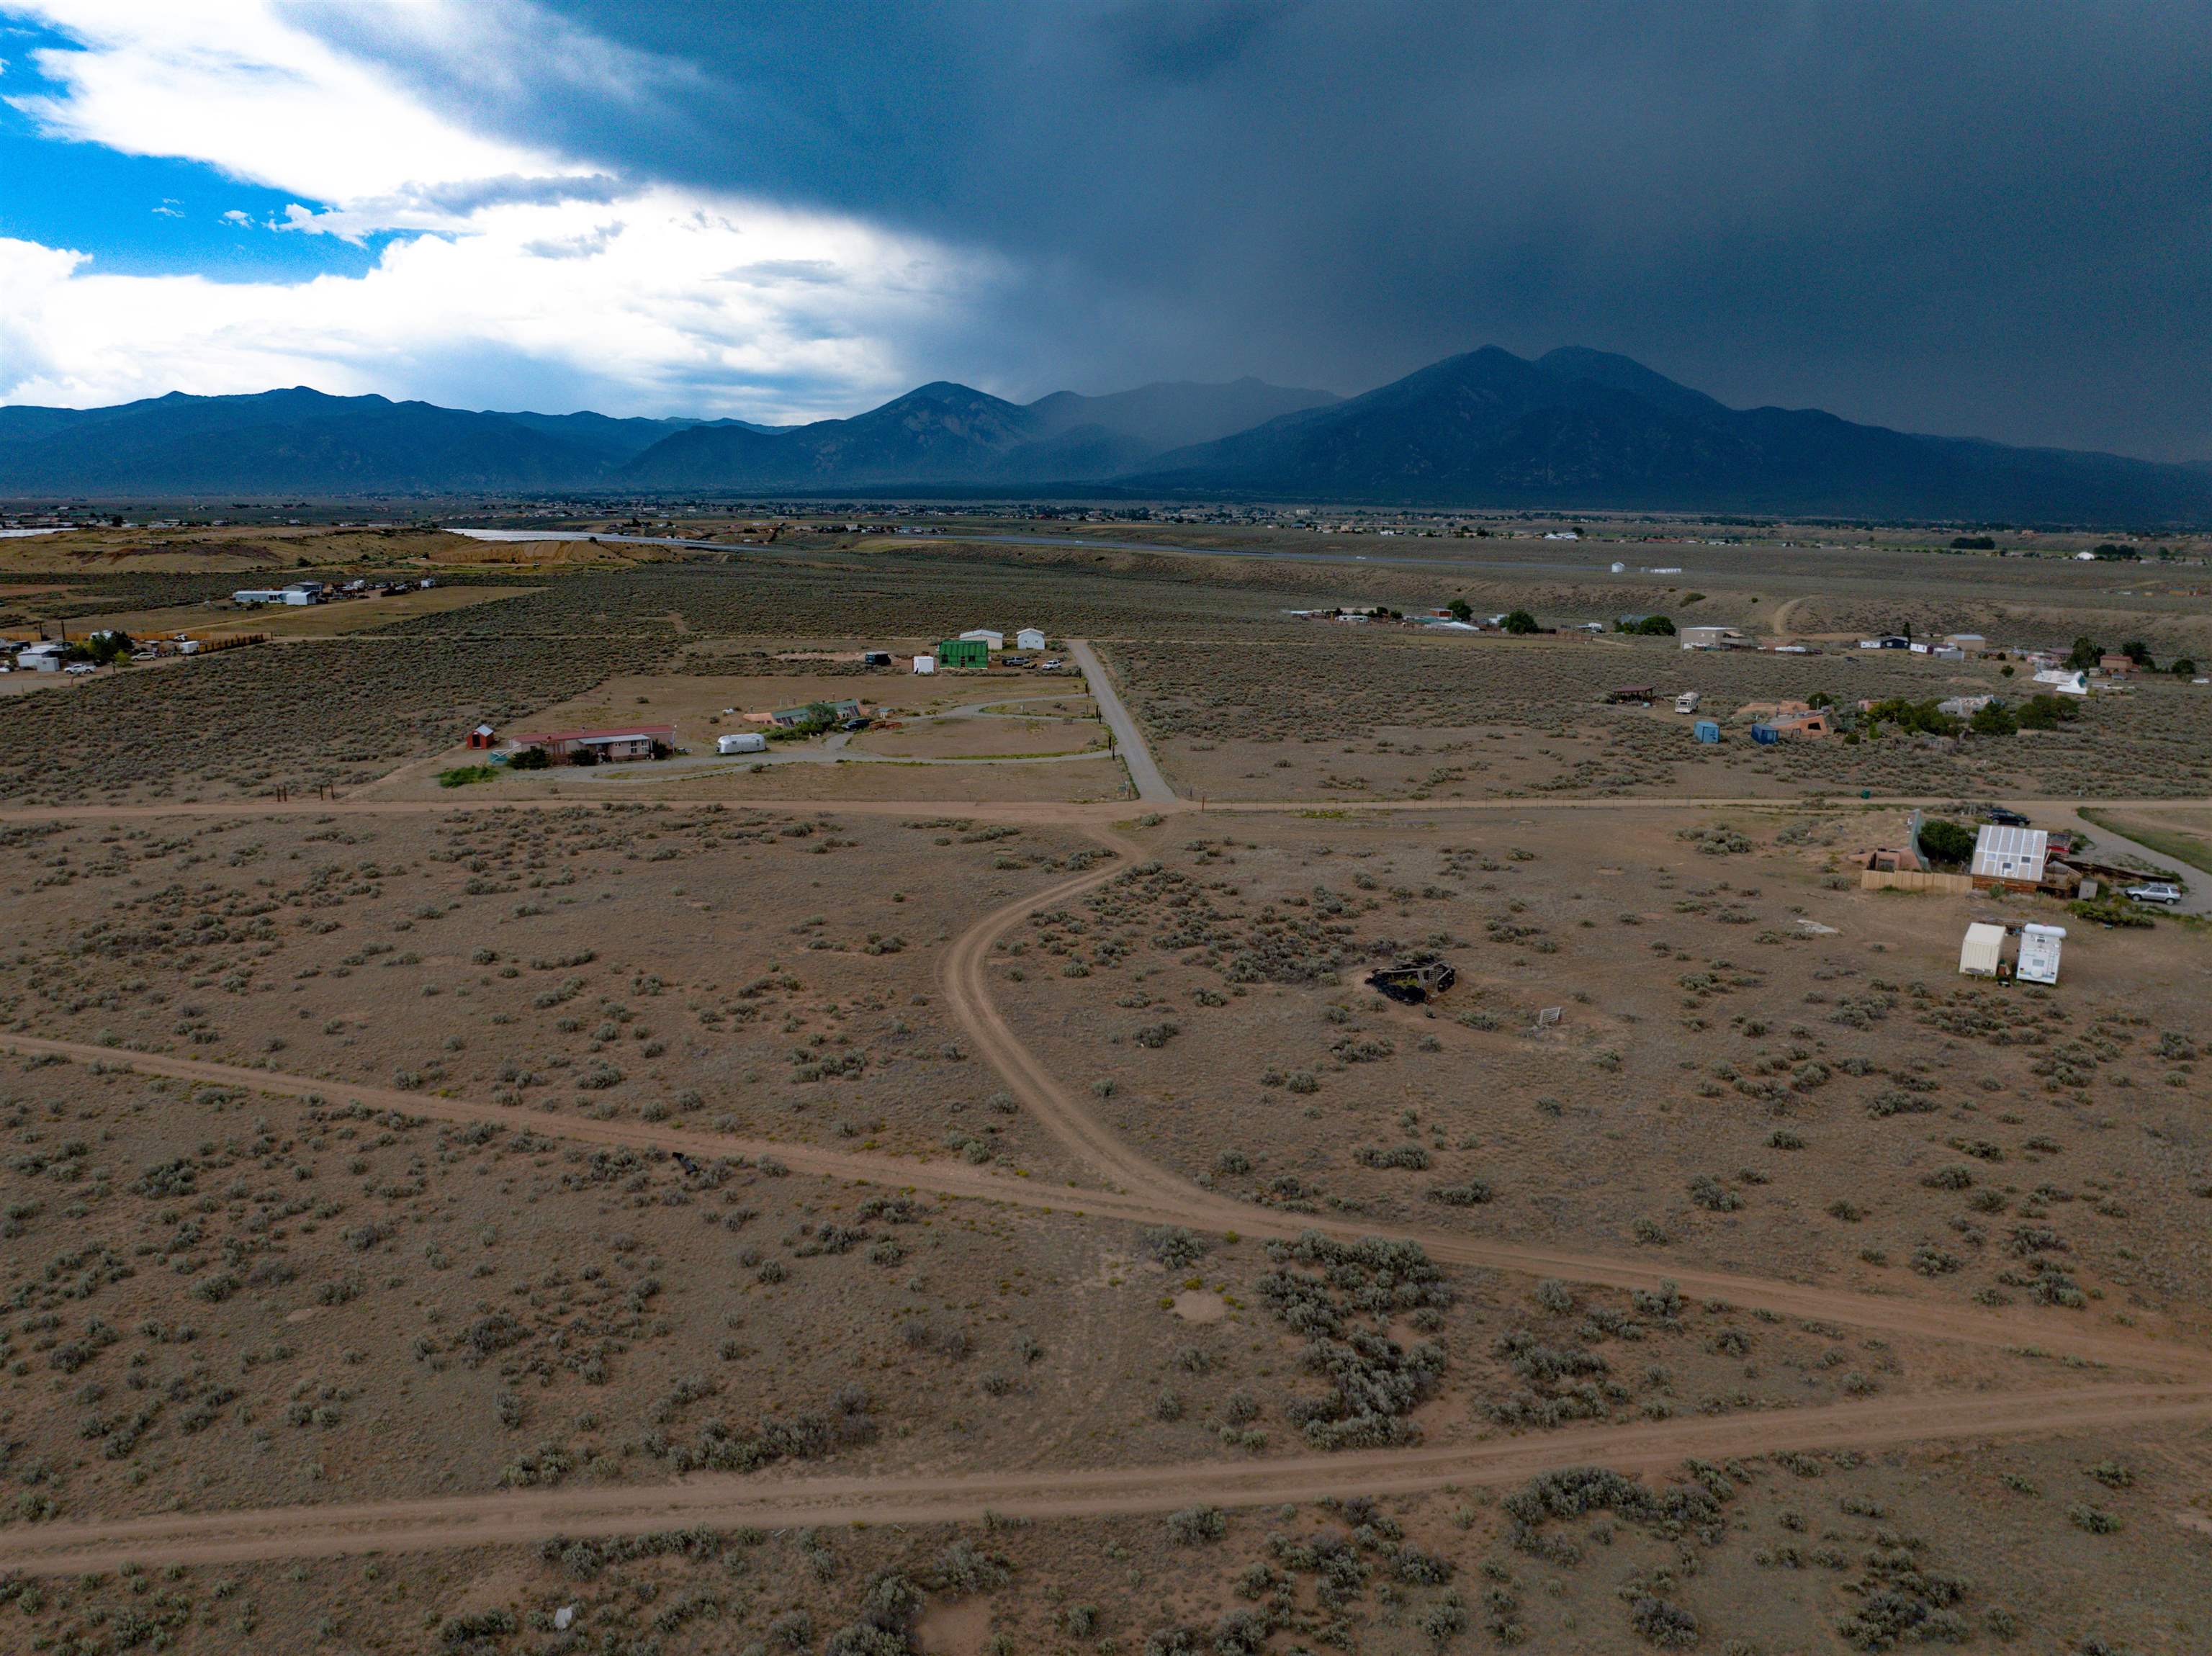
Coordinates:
(962, 652)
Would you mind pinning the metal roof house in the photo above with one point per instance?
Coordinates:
(1030, 638)
(987, 637)
(2011, 858)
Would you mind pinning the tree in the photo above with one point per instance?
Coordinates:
(2086, 652)
(1520, 622)
(2183, 668)
(1654, 627)
(2139, 653)
(1947, 842)
(1995, 719)
(2046, 713)
(1461, 609)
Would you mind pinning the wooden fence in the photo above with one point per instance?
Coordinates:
(1875, 879)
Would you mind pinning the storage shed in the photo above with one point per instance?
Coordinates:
(1706, 729)
(1030, 638)
(964, 651)
(2009, 856)
(1982, 953)
(925, 664)
(2038, 952)
(1765, 735)
(985, 637)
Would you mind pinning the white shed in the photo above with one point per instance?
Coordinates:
(2012, 854)
(1984, 950)
(985, 637)
(1029, 638)
(2038, 952)
(925, 664)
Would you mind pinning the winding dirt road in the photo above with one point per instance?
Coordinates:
(1139, 1191)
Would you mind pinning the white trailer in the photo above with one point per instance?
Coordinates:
(741, 742)
(2038, 952)
(925, 664)
(1687, 702)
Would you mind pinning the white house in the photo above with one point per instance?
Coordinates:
(985, 637)
(1029, 639)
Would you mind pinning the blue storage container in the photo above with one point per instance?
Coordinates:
(1706, 729)
(1765, 735)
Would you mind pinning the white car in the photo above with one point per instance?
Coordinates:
(80, 667)
(1053, 665)
(2156, 892)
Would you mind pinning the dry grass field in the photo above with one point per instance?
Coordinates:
(865, 1204)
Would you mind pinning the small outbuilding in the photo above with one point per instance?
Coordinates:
(925, 664)
(1765, 735)
(1706, 729)
(1030, 638)
(483, 737)
(1982, 955)
(966, 650)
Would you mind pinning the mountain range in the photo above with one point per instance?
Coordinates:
(1572, 428)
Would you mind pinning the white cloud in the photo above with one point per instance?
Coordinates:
(631, 316)
(531, 275)
(232, 83)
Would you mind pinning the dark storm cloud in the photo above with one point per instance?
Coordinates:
(1988, 219)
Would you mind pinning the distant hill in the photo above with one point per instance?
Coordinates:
(1575, 428)
(946, 433)
(301, 441)
(1585, 428)
(282, 442)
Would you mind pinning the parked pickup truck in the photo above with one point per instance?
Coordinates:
(2157, 891)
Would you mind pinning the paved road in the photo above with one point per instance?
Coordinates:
(1151, 787)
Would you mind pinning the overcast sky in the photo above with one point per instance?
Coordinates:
(1989, 219)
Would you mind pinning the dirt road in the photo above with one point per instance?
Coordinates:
(1144, 773)
(1139, 1191)
(1072, 813)
(727, 1500)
